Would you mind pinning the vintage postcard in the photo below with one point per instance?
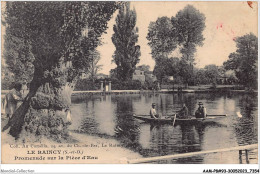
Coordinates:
(132, 82)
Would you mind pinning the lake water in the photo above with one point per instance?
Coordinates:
(110, 116)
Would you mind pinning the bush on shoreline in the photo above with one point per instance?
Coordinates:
(87, 85)
(126, 85)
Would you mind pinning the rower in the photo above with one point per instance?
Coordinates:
(201, 111)
(153, 112)
(183, 113)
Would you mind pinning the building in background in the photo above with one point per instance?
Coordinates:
(139, 75)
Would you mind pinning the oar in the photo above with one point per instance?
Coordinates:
(214, 115)
(217, 115)
(224, 115)
(174, 118)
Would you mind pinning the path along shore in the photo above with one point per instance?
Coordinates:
(190, 89)
(96, 150)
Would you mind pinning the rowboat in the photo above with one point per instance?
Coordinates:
(169, 119)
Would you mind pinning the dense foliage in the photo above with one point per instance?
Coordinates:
(87, 85)
(183, 31)
(244, 60)
(189, 24)
(94, 68)
(126, 85)
(7, 78)
(39, 34)
(210, 74)
(49, 44)
(145, 68)
(125, 37)
(162, 37)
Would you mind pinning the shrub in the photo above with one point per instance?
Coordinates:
(86, 84)
(126, 85)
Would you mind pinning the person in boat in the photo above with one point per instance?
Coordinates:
(183, 113)
(153, 112)
(201, 111)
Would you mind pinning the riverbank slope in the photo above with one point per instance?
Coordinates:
(81, 149)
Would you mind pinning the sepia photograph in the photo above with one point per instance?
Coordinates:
(129, 82)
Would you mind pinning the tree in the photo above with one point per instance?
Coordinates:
(209, 74)
(189, 24)
(167, 67)
(161, 69)
(212, 73)
(244, 60)
(56, 39)
(183, 30)
(230, 77)
(145, 68)
(18, 58)
(161, 37)
(94, 68)
(186, 72)
(7, 78)
(200, 77)
(113, 73)
(125, 37)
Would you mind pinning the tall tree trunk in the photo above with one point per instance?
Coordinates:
(17, 120)
(44, 111)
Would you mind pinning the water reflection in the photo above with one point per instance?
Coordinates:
(247, 125)
(111, 116)
(190, 141)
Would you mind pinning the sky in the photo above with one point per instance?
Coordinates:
(224, 22)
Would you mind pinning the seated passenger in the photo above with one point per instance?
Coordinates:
(183, 113)
(201, 111)
(153, 112)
